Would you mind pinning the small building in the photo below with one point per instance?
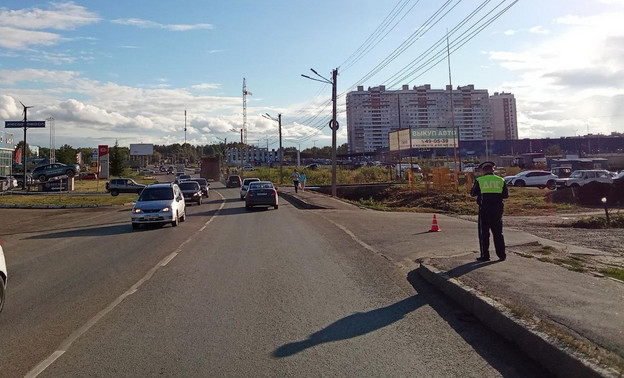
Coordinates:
(578, 163)
(6, 153)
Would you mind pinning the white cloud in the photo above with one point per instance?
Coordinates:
(19, 39)
(146, 24)
(60, 16)
(206, 86)
(510, 32)
(539, 30)
(570, 78)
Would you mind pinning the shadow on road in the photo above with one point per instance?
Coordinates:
(352, 326)
(116, 229)
(503, 356)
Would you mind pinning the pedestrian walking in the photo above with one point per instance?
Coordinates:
(490, 191)
(302, 180)
(295, 178)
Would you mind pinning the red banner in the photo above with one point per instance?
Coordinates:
(18, 155)
(102, 150)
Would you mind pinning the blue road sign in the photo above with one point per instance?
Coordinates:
(20, 124)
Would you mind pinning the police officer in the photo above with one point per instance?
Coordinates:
(490, 191)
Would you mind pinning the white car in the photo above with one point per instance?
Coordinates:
(245, 186)
(3, 277)
(159, 203)
(540, 179)
(585, 176)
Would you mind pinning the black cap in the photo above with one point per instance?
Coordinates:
(487, 164)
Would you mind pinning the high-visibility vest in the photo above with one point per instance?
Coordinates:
(491, 184)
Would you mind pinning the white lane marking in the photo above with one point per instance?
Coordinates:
(65, 344)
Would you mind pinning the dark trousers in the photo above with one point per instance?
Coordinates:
(491, 219)
(296, 182)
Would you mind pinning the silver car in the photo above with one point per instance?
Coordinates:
(245, 186)
(159, 203)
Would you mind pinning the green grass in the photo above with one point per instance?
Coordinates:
(574, 264)
(65, 199)
(613, 272)
(545, 250)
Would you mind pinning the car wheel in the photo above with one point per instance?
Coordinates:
(551, 184)
(519, 183)
(2, 291)
(135, 226)
(176, 221)
(69, 173)
(114, 192)
(275, 207)
(42, 178)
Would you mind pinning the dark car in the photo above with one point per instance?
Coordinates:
(203, 184)
(191, 191)
(47, 171)
(233, 181)
(123, 185)
(261, 193)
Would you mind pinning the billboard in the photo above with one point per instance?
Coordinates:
(433, 138)
(141, 149)
(399, 140)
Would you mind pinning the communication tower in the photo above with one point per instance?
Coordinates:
(244, 131)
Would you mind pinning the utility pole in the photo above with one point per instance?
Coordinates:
(280, 154)
(455, 141)
(185, 150)
(333, 123)
(52, 155)
(24, 146)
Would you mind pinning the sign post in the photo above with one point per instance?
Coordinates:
(25, 124)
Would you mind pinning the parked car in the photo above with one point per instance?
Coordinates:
(170, 170)
(191, 191)
(248, 168)
(245, 186)
(147, 171)
(11, 182)
(540, 179)
(45, 172)
(205, 186)
(20, 179)
(312, 166)
(261, 193)
(561, 172)
(233, 181)
(3, 277)
(159, 203)
(123, 185)
(88, 176)
(162, 168)
(583, 177)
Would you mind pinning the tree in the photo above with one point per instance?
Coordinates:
(29, 153)
(66, 154)
(116, 160)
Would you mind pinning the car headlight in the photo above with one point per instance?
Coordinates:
(136, 210)
(166, 209)
(195, 194)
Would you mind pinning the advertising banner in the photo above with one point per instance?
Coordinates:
(103, 161)
(433, 138)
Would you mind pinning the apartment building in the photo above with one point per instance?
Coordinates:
(504, 116)
(373, 113)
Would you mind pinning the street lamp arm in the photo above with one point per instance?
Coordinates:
(315, 79)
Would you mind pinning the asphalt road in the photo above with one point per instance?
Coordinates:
(227, 293)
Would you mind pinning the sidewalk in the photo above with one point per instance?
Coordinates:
(571, 322)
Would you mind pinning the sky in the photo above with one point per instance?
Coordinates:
(126, 71)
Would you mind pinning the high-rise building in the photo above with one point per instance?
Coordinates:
(504, 116)
(373, 113)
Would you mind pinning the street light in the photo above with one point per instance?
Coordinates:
(333, 124)
(281, 154)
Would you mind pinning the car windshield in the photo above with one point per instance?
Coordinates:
(156, 194)
(189, 185)
(260, 185)
(576, 174)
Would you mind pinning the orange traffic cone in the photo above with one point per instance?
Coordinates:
(434, 225)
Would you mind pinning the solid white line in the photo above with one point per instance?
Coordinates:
(352, 235)
(65, 344)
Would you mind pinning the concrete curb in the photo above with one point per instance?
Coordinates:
(298, 202)
(549, 352)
